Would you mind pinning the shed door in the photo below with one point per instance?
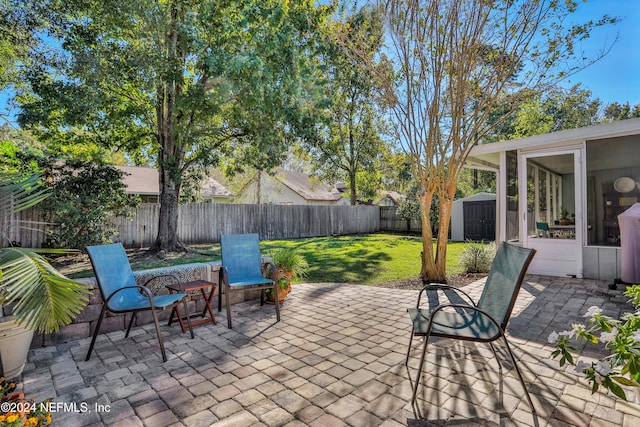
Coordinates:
(479, 220)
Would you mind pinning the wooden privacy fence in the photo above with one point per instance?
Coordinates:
(391, 221)
(205, 222)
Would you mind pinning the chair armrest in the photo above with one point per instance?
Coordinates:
(464, 307)
(224, 275)
(442, 287)
(143, 290)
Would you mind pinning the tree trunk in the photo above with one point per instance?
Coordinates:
(446, 203)
(172, 151)
(167, 238)
(353, 193)
(428, 272)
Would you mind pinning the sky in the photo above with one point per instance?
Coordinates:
(616, 77)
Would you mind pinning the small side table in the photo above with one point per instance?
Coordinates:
(194, 286)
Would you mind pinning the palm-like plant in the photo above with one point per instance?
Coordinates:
(44, 299)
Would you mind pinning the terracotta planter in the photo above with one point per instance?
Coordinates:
(282, 293)
(15, 342)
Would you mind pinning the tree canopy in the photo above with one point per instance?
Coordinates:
(179, 83)
(449, 64)
(353, 135)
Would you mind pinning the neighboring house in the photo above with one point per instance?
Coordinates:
(390, 198)
(289, 188)
(560, 193)
(145, 182)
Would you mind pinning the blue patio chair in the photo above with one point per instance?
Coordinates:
(242, 269)
(121, 294)
(543, 229)
(485, 321)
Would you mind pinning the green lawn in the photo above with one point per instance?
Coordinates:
(359, 259)
(363, 259)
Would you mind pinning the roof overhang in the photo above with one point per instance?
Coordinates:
(564, 137)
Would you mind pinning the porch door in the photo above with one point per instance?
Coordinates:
(551, 204)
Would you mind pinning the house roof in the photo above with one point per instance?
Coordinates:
(209, 187)
(140, 180)
(302, 184)
(392, 195)
(145, 181)
(590, 133)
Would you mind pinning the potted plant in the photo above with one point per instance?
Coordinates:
(290, 265)
(34, 297)
(564, 217)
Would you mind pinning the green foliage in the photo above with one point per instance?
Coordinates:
(477, 257)
(472, 181)
(16, 38)
(350, 140)
(621, 338)
(450, 64)
(363, 259)
(83, 192)
(84, 199)
(395, 168)
(544, 111)
(616, 111)
(19, 152)
(409, 207)
(290, 265)
(290, 260)
(181, 84)
(42, 298)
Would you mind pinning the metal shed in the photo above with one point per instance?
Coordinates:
(474, 218)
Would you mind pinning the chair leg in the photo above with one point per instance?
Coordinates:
(228, 301)
(220, 296)
(133, 317)
(160, 341)
(515, 365)
(277, 301)
(184, 302)
(95, 332)
(406, 361)
(415, 385)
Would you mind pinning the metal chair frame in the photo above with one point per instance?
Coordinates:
(144, 291)
(232, 280)
(477, 311)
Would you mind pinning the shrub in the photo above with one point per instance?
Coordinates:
(84, 198)
(621, 338)
(477, 257)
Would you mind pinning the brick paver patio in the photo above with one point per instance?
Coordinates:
(335, 359)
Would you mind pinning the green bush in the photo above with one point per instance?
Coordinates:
(477, 257)
(84, 198)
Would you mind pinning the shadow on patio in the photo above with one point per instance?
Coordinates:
(336, 358)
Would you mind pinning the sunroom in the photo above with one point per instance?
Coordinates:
(561, 193)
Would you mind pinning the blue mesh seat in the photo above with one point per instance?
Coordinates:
(461, 318)
(242, 269)
(121, 293)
